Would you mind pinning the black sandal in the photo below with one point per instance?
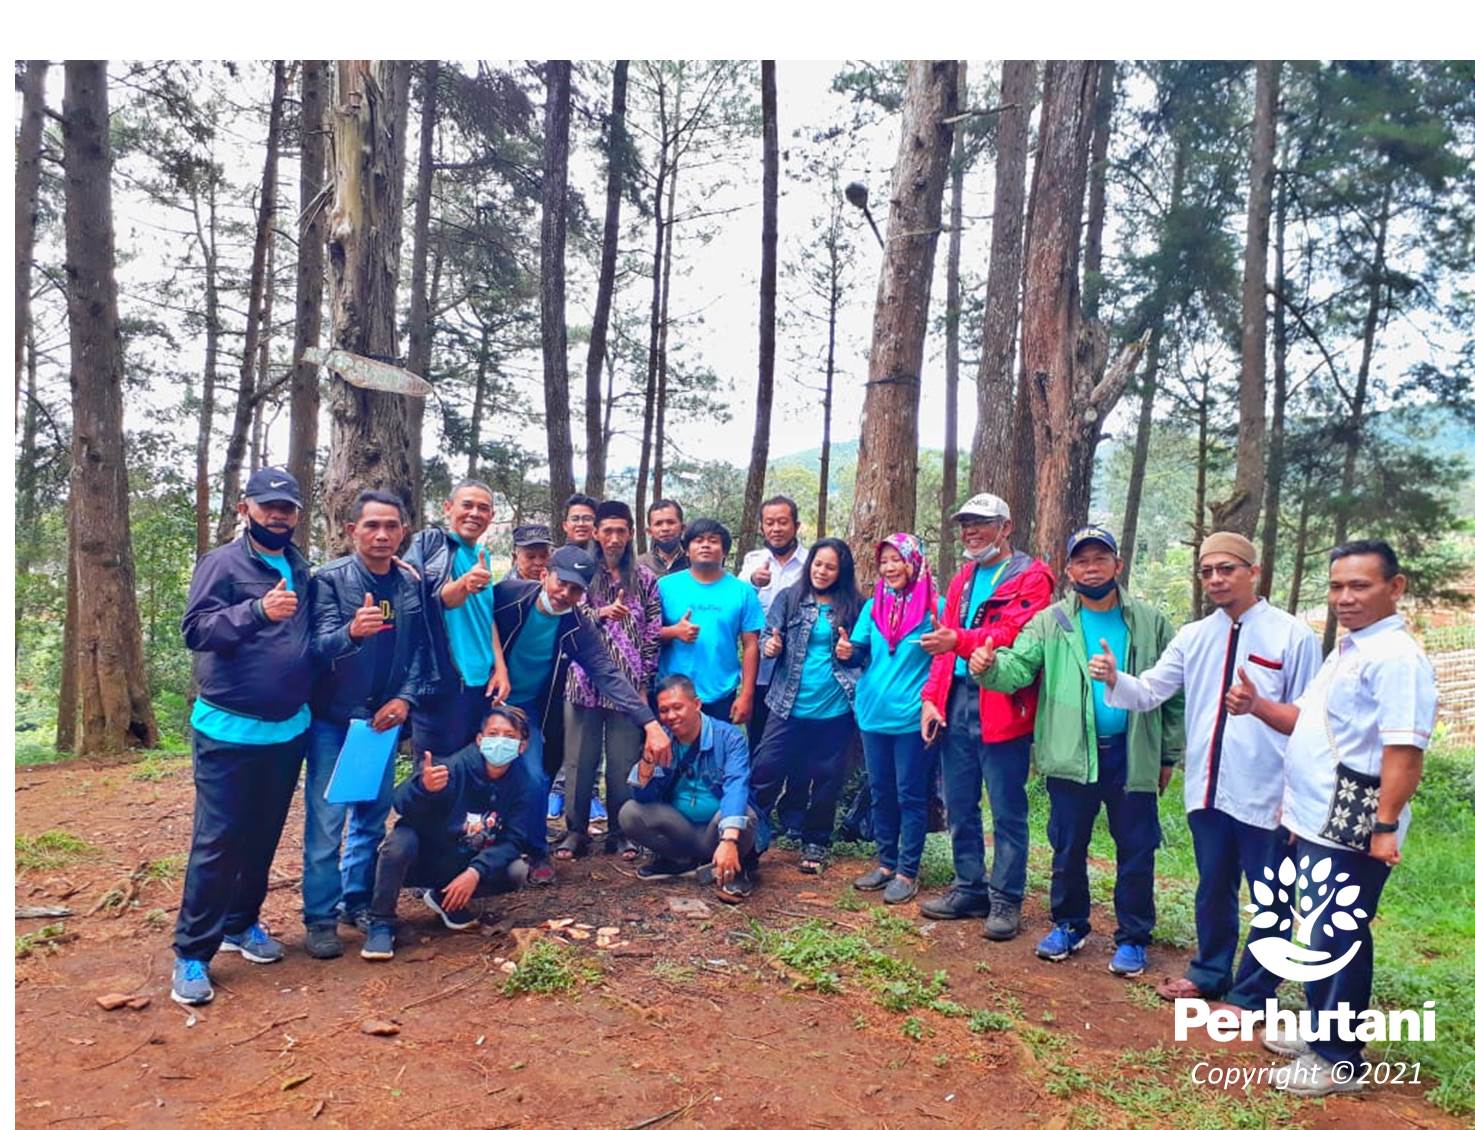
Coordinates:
(574, 845)
(813, 858)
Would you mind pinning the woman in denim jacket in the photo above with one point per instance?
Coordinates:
(811, 699)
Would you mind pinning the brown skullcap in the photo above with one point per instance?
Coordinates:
(1224, 541)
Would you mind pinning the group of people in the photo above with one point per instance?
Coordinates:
(725, 707)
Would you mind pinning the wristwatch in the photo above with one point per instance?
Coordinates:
(732, 839)
(1382, 827)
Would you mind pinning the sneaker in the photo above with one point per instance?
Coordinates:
(899, 890)
(597, 810)
(1003, 921)
(379, 942)
(873, 880)
(812, 859)
(956, 904)
(739, 887)
(357, 919)
(1292, 1048)
(540, 872)
(555, 805)
(462, 919)
(191, 982)
(659, 868)
(323, 940)
(1129, 960)
(1059, 944)
(254, 944)
(1313, 1077)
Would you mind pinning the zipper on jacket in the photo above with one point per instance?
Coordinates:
(1216, 744)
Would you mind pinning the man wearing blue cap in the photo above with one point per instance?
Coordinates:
(248, 622)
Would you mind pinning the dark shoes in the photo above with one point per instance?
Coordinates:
(462, 919)
(323, 941)
(873, 880)
(899, 889)
(659, 868)
(1003, 921)
(378, 942)
(739, 887)
(956, 904)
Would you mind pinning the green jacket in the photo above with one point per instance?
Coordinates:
(1065, 725)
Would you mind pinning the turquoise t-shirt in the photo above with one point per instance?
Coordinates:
(820, 695)
(693, 799)
(888, 698)
(469, 627)
(1112, 627)
(244, 729)
(530, 657)
(985, 581)
(723, 610)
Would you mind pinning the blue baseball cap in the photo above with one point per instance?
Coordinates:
(573, 565)
(1090, 533)
(274, 484)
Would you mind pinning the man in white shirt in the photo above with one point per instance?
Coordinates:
(773, 567)
(1354, 758)
(1233, 768)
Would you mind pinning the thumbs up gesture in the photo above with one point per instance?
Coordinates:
(479, 576)
(368, 619)
(1241, 698)
(1103, 665)
(982, 658)
(280, 603)
(773, 646)
(763, 574)
(617, 609)
(434, 777)
(686, 631)
(940, 640)
(844, 649)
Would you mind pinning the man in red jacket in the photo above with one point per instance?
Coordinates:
(985, 735)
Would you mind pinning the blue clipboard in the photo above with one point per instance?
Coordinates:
(362, 762)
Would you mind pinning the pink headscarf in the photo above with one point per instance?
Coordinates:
(897, 613)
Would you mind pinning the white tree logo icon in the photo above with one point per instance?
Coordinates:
(1292, 899)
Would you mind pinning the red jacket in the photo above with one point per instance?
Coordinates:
(1026, 587)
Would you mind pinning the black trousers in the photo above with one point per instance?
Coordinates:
(670, 835)
(407, 859)
(242, 793)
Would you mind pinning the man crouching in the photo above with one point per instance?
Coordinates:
(694, 809)
(460, 832)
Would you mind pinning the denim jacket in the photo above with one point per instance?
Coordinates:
(718, 758)
(793, 620)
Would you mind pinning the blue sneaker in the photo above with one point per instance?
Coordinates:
(1060, 943)
(461, 919)
(555, 805)
(254, 944)
(597, 810)
(191, 982)
(378, 942)
(1129, 960)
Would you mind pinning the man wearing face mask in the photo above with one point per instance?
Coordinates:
(985, 735)
(461, 832)
(1090, 753)
(665, 522)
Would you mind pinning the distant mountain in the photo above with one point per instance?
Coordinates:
(843, 452)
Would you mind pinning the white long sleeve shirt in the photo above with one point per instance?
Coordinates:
(1377, 689)
(780, 577)
(1233, 764)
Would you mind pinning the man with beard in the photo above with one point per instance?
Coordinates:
(1233, 768)
(665, 522)
(249, 624)
(531, 545)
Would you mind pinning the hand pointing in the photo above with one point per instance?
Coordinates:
(280, 603)
(1103, 666)
(1240, 698)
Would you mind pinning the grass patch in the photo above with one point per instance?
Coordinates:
(549, 968)
(1144, 996)
(44, 938)
(848, 899)
(49, 850)
(672, 972)
(168, 868)
(982, 1020)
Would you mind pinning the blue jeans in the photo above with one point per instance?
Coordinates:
(811, 752)
(899, 768)
(1225, 849)
(337, 873)
(1132, 819)
(539, 784)
(969, 765)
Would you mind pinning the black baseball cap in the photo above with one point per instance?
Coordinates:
(532, 534)
(573, 565)
(274, 484)
(1090, 533)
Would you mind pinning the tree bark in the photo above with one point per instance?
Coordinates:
(27, 200)
(478, 403)
(658, 475)
(993, 445)
(206, 233)
(259, 453)
(235, 451)
(302, 450)
(1275, 462)
(1135, 477)
(653, 352)
(1200, 489)
(66, 693)
(1105, 102)
(614, 188)
(823, 517)
(1240, 512)
(554, 324)
(886, 467)
(948, 495)
(767, 312)
(1298, 564)
(111, 676)
(27, 508)
(369, 442)
(419, 329)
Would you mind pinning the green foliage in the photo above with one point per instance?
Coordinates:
(549, 968)
(983, 1020)
(49, 850)
(44, 938)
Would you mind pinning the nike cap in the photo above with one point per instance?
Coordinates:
(572, 565)
(274, 484)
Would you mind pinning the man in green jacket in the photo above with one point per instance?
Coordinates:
(1092, 754)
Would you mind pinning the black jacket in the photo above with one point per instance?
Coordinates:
(246, 663)
(345, 667)
(431, 553)
(439, 818)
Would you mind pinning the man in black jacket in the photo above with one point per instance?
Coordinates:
(461, 832)
(368, 622)
(248, 622)
(542, 630)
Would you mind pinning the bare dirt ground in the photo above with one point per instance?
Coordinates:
(687, 1024)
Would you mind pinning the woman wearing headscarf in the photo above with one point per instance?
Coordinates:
(888, 710)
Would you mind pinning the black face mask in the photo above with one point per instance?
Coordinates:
(1096, 592)
(268, 538)
(667, 547)
(781, 550)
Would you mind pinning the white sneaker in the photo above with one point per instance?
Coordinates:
(1293, 1048)
(1313, 1077)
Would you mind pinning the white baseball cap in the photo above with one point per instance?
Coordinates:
(983, 506)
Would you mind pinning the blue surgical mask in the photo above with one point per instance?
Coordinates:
(497, 749)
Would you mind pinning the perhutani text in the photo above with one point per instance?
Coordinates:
(1341, 1023)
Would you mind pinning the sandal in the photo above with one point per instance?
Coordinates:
(574, 845)
(1180, 989)
(813, 858)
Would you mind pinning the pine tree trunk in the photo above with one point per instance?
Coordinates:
(369, 445)
(993, 443)
(66, 691)
(1298, 564)
(235, 451)
(1241, 511)
(1275, 461)
(302, 450)
(886, 467)
(1140, 444)
(419, 330)
(653, 352)
(27, 199)
(658, 475)
(595, 440)
(27, 506)
(767, 312)
(478, 403)
(823, 517)
(1096, 194)
(554, 324)
(259, 454)
(948, 496)
(1200, 491)
(111, 676)
(205, 233)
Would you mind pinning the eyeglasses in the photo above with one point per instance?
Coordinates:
(1224, 569)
